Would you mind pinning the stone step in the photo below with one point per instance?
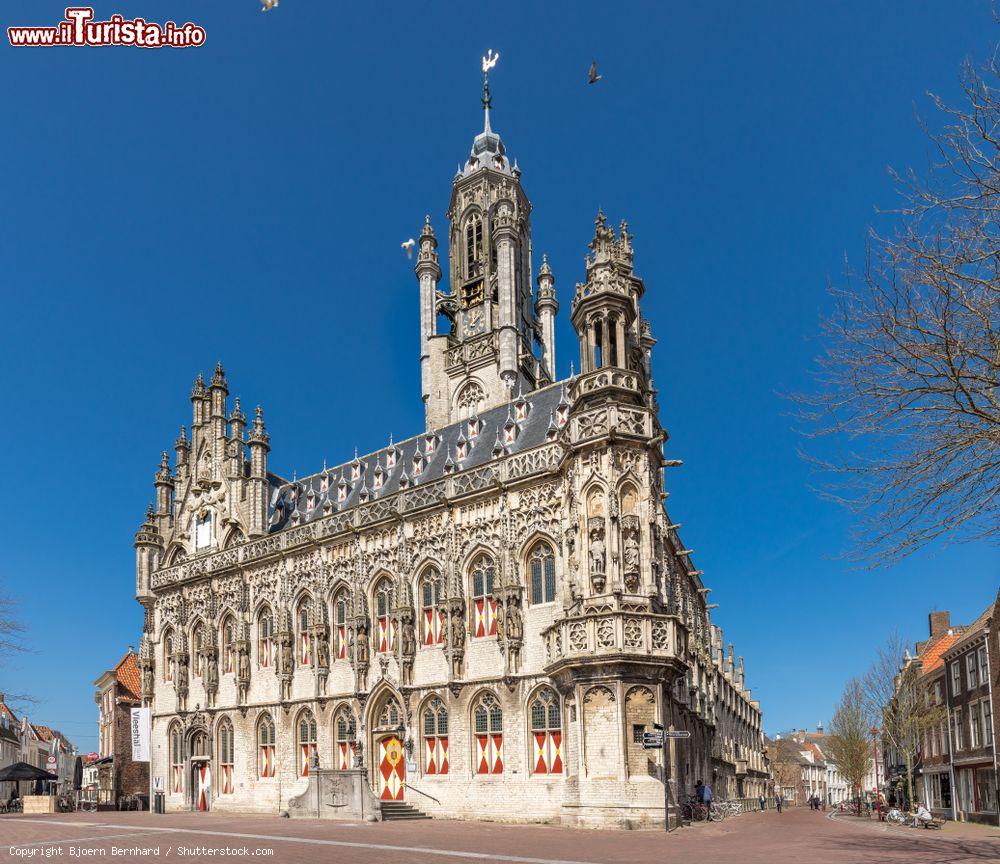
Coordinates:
(399, 810)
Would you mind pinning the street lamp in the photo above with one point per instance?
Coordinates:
(878, 799)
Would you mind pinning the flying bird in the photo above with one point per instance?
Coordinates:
(408, 246)
(592, 76)
(268, 5)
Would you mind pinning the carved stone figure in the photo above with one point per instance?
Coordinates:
(630, 553)
(323, 649)
(515, 623)
(597, 555)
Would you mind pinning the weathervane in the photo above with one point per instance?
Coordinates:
(489, 61)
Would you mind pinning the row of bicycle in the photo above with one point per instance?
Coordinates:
(695, 810)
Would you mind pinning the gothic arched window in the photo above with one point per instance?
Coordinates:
(546, 732)
(168, 655)
(227, 748)
(198, 643)
(543, 573)
(345, 731)
(176, 759)
(266, 743)
(340, 622)
(435, 731)
(473, 244)
(488, 725)
(385, 629)
(484, 603)
(431, 617)
(302, 620)
(228, 647)
(265, 638)
(390, 715)
(306, 730)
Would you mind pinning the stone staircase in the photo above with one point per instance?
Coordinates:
(392, 810)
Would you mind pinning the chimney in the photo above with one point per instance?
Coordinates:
(939, 623)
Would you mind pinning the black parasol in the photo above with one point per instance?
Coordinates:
(78, 773)
(24, 771)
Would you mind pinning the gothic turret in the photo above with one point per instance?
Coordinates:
(148, 547)
(164, 484)
(546, 307)
(428, 272)
(259, 443)
(605, 312)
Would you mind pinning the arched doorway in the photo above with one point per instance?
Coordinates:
(201, 772)
(389, 754)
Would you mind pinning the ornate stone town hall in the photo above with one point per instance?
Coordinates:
(478, 621)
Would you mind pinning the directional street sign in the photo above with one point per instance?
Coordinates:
(652, 740)
(680, 733)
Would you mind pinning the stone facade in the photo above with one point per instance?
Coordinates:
(482, 619)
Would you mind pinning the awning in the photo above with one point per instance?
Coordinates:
(24, 771)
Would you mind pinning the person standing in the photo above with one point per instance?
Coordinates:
(762, 803)
(778, 800)
(706, 796)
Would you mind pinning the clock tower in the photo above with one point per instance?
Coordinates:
(492, 346)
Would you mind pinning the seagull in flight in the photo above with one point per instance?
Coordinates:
(268, 5)
(592, 76)
(408, 246)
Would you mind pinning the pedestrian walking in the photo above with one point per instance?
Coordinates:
(763, 803)
(706, 794)
(778, 801)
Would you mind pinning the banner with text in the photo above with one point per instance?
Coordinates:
(140, 734)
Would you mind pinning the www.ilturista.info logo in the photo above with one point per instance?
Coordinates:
(80, 29)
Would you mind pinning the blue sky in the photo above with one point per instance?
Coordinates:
(245, 201)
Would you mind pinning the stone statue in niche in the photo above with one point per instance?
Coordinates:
(597, 554)
(323, 648)
(630, 553)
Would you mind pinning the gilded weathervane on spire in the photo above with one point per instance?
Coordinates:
(489, 61)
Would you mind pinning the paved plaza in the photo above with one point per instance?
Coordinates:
(795, 836)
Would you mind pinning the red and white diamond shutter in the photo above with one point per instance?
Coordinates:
(488, 718)
(431, 605)
(435, 738)
(546, 733)
(346, 751)
(266, 741)
(385, 634)
(340, 612)
(484, 604)
(307, 742)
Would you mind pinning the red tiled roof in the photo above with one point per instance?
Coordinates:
(931, 658)
(43, 732)
(127, 673)
(6, 712)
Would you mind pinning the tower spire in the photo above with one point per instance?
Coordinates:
(489, 61)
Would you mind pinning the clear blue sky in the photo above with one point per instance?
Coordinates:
(245, 201)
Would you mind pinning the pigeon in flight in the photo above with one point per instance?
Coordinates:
(408, 246)
(592, 76)
(268, 5)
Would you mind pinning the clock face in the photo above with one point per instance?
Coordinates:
(475, 322)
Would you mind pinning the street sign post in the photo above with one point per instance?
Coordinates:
(660, 739)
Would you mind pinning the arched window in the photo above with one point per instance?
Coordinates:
(431, 618)
(543, 573)
(546, 733)
(484, 603)
(265, 638)
(390, 715)
(345, 731)
(306, 729)
(340, 622)
(168, 655)
(385, 630)
(435, 729)
(488, 724)
(473, 244)
(176, 760)
(227, 748)
(228, 648)
(199, 745)
(305, 654)
(265, 747)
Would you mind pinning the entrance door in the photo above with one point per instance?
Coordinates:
(391, 769)
(202, 785)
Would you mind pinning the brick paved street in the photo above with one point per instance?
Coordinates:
(795, 836)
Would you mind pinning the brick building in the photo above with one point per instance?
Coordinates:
(118, 691)
(482, 619)
(971, 678)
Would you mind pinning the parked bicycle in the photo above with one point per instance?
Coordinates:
(692, 810)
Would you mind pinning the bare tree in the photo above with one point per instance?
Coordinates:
(912, 351)
(896, 702)
(12, 633)
(783, 761)
(848, 744)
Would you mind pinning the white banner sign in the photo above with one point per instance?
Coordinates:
(140, 734)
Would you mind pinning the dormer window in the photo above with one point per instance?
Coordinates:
(390, 458)
(364, 494)
(418, 463)
(311, 501)
(509, 432)
(379, 478)
(462, 449)
(343, 490)
(562, 414)
(521, 409)
(404, 481)
(355, 470)
(430, 442)
(324, 483)
(474, 426)
(449, 466)
(497, 448)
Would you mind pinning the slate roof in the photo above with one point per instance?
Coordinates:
(439, 452)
